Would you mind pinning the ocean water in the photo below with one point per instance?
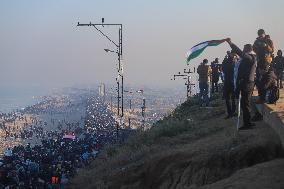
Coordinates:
(13, 98)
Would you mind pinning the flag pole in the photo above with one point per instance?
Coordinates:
(239, 112)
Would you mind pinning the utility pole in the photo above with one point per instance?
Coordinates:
(143, 108)
(118, 96)
(111, 103)
(119, 53)
(188, 83)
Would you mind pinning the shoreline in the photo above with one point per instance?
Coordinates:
(14, 123)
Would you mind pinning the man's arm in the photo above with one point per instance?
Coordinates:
(198, 69)
(234, 47)
(270, 46)
(238, 51)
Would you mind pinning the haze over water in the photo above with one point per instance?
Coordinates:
(13, 98)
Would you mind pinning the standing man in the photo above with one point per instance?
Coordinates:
(268, 81)
(264, 48)
(245, 80)
(215, 74)
(228, 66)
(204, 72)
(278, 65)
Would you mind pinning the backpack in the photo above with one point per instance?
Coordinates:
(264, 54)
(273, 95)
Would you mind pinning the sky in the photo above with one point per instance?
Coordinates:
(41, 45)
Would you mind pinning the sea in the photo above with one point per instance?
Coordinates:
(17, 98)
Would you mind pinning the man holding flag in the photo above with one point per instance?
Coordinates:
(245, 80)
(245, 77)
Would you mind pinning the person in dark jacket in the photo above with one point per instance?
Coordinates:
(264, 48)
(245, 80)
(278, 65)
(267, 82)
(228, 65)
(215, 75)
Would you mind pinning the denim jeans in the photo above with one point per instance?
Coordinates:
(203, 87)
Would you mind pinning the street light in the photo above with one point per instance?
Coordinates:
(118, 52)
(108, 50)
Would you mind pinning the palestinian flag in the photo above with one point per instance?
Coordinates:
(196, 50)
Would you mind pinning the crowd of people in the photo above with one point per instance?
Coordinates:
(48, 165)
(61, 152)
(241, 71)
(99, 120)
(53, 105)
(8, 119)
(70, 145)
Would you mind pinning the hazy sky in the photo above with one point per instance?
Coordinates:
(41, 45)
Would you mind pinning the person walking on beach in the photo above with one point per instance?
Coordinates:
(245, 80)
(204, 72)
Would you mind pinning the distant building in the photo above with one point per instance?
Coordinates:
(102, 91)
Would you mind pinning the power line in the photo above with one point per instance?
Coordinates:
(119, 46)
(186, 76)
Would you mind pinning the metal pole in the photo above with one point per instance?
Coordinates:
(121, 70)
(143, 113)
(119, 46)
(239, 112)
(117, 126)
(111, 103)
(122, 96)
(118, 101)
(190, 89)
(187, 87)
